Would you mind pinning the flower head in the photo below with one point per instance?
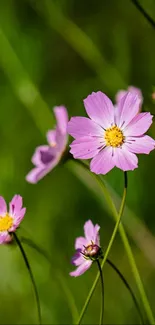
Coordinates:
(46, 157)
(87, 249)
(135, 91)
(9, 221)
(111, 135)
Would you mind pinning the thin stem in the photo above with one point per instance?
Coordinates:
(129, 289)
(127, 247)
(57, 273)
(30, 273)
(102, 292)
(107, 251)
(47, 256)
(144, 13)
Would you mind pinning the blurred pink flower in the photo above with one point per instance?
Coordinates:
(111, 135)
(9, 221)
(131, 89)
(87, 248)
(46, 157)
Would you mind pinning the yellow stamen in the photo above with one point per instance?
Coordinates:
(114, 136)
(6, 223)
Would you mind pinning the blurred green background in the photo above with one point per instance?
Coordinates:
(46, 60)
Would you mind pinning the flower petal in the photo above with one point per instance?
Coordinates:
(119, 95)
(78, 259)
(86, 147)
(143, 144)
(79, 127)
(80, 243)
(96, 235)
(100, 109)
(3, 237)
(90, 231)
(139, 125)
(127, 108)
(134, 90)
(38, 173)
(82, 268)
(62, 118)
(103, 162)
(17, 219)
(124, 159)
(15, 205)
(51, 137)
(36, 158)
(3, 206)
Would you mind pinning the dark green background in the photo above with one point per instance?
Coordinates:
(38, 45)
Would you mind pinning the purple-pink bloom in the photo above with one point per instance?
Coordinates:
(86, 248)
(131, 89)
(111, 136)
(9, 221)
(46, 157)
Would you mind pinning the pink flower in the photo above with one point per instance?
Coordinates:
(112, 135)
(46, 157)
(87, 248)
(131, 89)
(9, 221)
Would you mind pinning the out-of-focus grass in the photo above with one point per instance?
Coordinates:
(55, 216)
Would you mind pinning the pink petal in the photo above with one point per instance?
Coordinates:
(3, 237)
(36, 158)
(17, 219)
(124, 159)
(86, 147)
(3, 206)
(79, 127)
(36, 174)
(127, 108)
(82, 268)
(96, 235)
(89, 230)
(143, 144)
(51, 137)
(139, 125)
(100, 109)
(15, 205)
(135, 91)
(119, 95)
(103, 162)
(78, 259)
(62, 118)
(80, 243)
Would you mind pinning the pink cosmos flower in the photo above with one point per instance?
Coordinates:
(9, 221)
(131, 89)
(87, 248)
(111, 135)
(46, 157)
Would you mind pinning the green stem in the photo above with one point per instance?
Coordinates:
(127, 247)
(57, 273)
(107, 251)
(102, 292)
(128, 288)
(30, 273)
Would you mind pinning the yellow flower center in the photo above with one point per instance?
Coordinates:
(114, 136)
(6, 223)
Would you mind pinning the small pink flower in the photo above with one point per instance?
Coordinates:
(87, 248)
(111, 135)
(46, 157)
(9, 221)
(131, 89)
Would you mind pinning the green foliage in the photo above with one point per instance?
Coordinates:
(52, 53)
